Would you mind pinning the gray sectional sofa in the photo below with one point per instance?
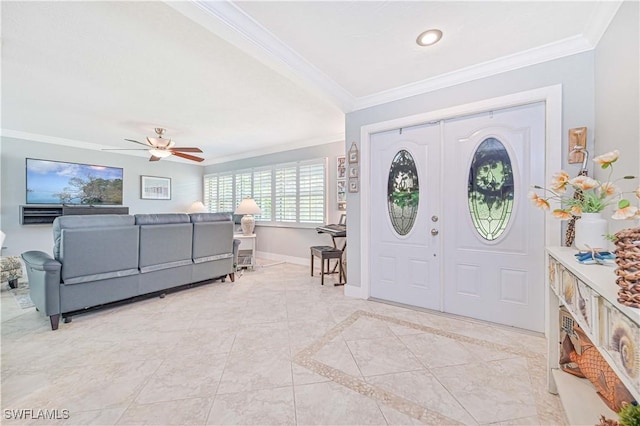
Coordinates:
(100, 259)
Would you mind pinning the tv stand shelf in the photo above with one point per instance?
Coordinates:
(43, 214)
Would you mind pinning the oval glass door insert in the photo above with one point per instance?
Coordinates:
(403, 195)
(491, 190)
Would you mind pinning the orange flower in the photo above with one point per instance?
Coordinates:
(538, 201)
(576, 211)
(608, 189)
(561, 214)
(583, 182)
(626, 213)
(605, 160)
(637, 192)
(559, 181)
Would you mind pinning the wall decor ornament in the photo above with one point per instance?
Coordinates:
(353, 154)
(353, 185)
(354, 158)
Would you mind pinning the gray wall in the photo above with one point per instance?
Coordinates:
(285, 243)
(575, 73)
(186, 186)
(617, 97)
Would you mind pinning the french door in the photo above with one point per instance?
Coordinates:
(473, 246)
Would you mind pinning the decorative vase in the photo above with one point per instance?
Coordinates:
(591, 231)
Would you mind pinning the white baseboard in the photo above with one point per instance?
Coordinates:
(353, 291)
(283, 258)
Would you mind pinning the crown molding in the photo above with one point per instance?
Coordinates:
(537, 55)
(600, 20)
(277, 148)
(233, 25)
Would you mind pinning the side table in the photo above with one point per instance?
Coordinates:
(246, 250)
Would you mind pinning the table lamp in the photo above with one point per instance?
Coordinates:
(197, 207)
(248, 208)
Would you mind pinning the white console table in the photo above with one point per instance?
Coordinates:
(246, 250)
(569, 281)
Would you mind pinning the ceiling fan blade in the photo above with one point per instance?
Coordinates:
(125, 149)
(154, 158)
(187, 156)
(131, 140)
(186, 149)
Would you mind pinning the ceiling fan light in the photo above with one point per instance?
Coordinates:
(159, 153)
(160, 142)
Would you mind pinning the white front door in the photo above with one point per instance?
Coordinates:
(405, 205)
(492, 240)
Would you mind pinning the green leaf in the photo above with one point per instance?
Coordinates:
(605, 165)
(623, 204)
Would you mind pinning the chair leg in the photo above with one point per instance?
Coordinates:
(312, 264)
(55, 320)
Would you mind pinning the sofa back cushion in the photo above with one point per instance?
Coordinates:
(212, 236)
(91, 253)
(88, 221)
(165, 241)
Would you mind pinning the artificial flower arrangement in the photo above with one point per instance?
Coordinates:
(594, 196)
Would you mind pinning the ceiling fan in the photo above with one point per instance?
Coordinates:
(160, 148)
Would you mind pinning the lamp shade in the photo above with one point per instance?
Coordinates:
(248, 206)
(197, 207)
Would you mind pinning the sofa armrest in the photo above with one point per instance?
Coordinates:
(43, 273)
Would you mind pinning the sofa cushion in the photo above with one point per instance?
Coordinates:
(212, 240)
(86, 221)
(165, 246)
(90, 254)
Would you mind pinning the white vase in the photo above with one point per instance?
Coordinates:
(591, 230)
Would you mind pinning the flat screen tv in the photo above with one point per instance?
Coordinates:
(57, 182)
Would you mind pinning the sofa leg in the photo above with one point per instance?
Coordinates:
(55, 319)
(232, 277)
(223, 279)
(13, 283)
(66, 320)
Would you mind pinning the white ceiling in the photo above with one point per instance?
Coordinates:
(247, 78)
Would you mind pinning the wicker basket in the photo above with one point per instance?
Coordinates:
(628, 271)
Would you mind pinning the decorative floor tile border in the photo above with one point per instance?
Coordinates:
(304, 358)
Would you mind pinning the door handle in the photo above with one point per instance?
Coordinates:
(434, 232)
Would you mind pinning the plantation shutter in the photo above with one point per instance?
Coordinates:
(262, 180)
(211, 193)
(286, 185)
(225, 193)
(243, 187)
(312, 193)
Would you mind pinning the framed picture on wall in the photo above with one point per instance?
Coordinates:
(341, 168)
(342, 190)
(155, 188)
(353, 185)
(353, 171)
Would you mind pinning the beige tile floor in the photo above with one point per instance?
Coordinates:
(275, 347)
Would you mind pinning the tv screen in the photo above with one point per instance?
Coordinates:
(57, 182)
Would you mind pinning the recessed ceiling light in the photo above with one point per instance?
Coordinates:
(429, 37)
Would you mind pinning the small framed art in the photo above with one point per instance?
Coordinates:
(341, 168)
(353, 185)
(353, 170)
(353, 153)
(155, 188)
